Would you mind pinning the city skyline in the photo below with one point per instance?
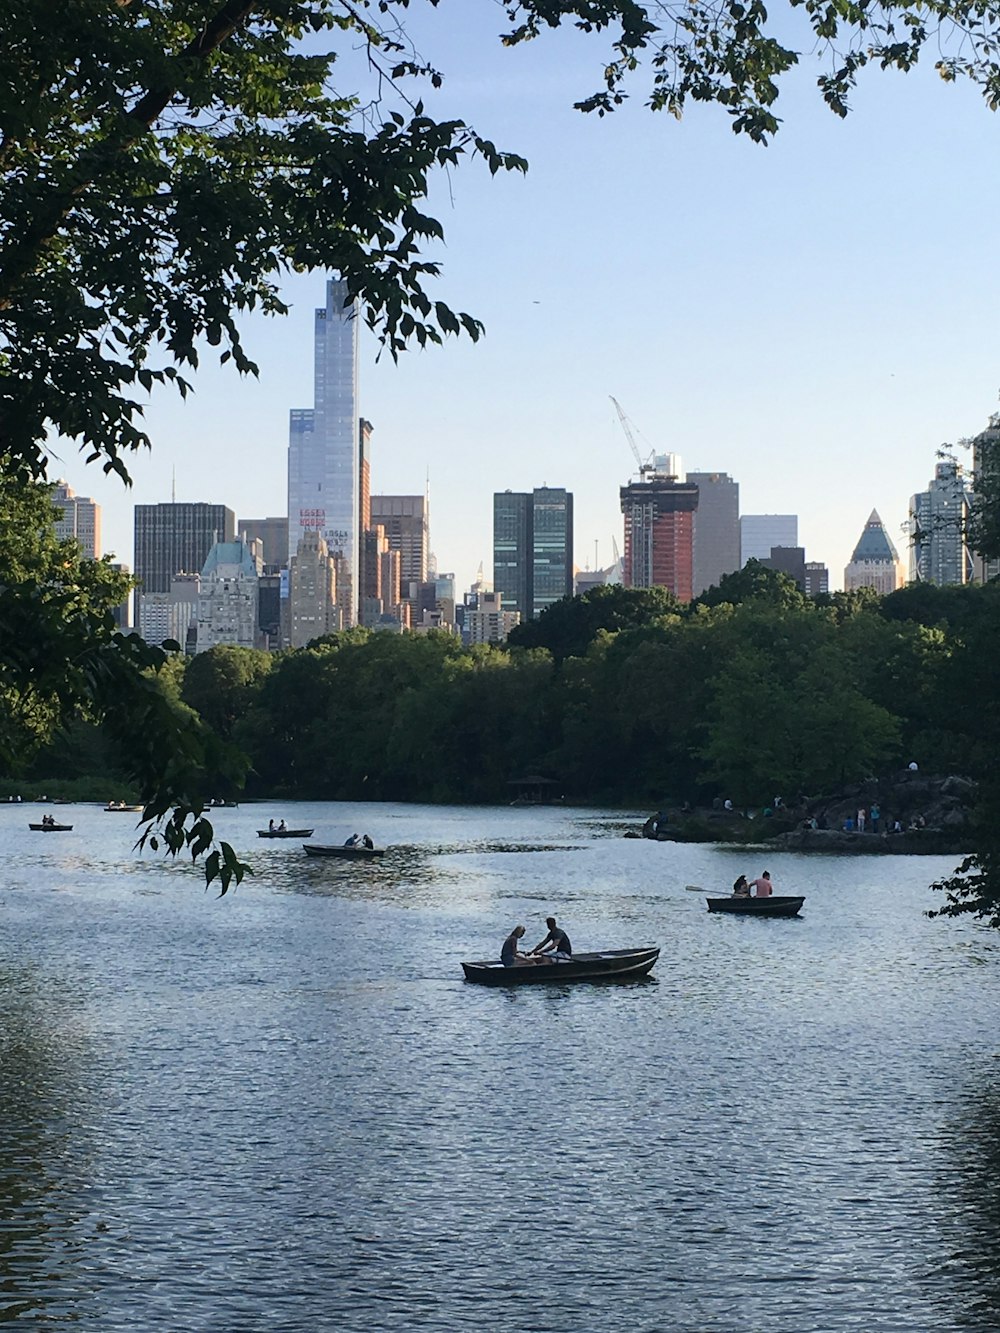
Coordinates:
(773, 314)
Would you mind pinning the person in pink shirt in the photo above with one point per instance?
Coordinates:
(762, 887)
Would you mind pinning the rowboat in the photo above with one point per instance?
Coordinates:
(356, 853)
(122, 809)
(285, 832)
(775, 905)
(609, 965)
(51, 828)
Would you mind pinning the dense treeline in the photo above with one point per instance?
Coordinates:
(618, 696)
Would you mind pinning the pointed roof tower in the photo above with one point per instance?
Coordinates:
(875, 544)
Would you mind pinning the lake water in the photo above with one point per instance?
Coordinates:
(286, 1110)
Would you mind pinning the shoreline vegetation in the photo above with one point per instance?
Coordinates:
(619, 700)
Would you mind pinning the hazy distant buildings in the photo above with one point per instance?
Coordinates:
(228, 598)
(488, 621)
(817, 578)
(172, 614)
(533, 548)
(985, 464)
(716, 529)
(790, 560)
(659, 519)
(760, 532)
(122, 613)
(875, 562)
(939, 551)
(81, 520)
(323, 464)
(172, 539)
(272, 533)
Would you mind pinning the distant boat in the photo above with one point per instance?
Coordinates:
(355, 853)
(610, 965)
(51, 828)
(285, 832)
(114, 809)
(775, 905)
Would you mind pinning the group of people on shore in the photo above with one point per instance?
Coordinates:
(761, 887)
(555, 948)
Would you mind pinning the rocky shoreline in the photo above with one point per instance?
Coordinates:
(933, 813)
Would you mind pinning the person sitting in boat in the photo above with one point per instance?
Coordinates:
(366, 841)
(270, 826)
(762, 887)
(741, 889)
(556, 944)
(511, 956)
(352, 841)
(282, 827)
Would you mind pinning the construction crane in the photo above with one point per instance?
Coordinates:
(645, 468)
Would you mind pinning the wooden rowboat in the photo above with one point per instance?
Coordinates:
(776, 905)
(609, 965)
(285, 832)
(51, 828)
(343, 853)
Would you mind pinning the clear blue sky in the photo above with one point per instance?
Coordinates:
(815, 317)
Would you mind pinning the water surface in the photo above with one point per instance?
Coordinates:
(285, 1109)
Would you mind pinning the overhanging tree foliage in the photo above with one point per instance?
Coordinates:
(164, 162)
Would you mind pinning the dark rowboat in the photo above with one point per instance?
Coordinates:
(776, 905)
(343, 853)
(285, 832)
(51, 828)
(610, 965)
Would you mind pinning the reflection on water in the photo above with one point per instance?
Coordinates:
(44, 1148)
(286, 1109)
(969, 1180)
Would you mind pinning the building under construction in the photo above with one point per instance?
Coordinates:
(659, 515)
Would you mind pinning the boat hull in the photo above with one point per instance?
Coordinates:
(285, 833)
(776, 905)
(611, 965)
(51, 828)
(343, 853)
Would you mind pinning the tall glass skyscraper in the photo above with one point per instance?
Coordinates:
(533, 548)
(323, 482)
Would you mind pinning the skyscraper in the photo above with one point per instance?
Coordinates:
(312, 596)
(759, 532)
(939, 551)
(875, 562)
(716, 529)
(323, 453)
(81, 519)
(173, 539)
(512, 551)
(532, 548)
(552, 547)
(659, 518)
(404, 518)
